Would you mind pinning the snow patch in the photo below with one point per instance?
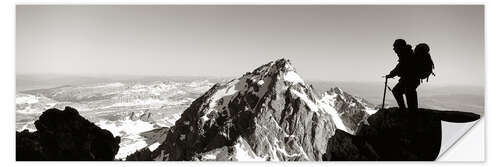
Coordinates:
(221, 97)
(304, 98)
(293, 77)
(282, 150)
(26, 99)
(288, 66)
(204, 118)
(129, 131)
(154, 146)
(243, 152)
(168, 120)
(370, 111)
(335, 116)
(260, 83)
(30, 126)
(209, 157)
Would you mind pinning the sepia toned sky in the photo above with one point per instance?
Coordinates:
(330, 42)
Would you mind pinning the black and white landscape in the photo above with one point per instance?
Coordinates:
(125, 109)
(269, 114)
(240, 83)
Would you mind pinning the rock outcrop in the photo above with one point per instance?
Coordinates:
(65, 135)
(156, 135)
(140, 155)
(393, 135)
(143, 116)
(268, 114)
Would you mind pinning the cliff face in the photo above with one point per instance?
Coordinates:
(65, 135)
(393, 135)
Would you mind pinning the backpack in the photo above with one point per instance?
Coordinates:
(424, 63)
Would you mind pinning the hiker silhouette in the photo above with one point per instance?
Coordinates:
(406, 71)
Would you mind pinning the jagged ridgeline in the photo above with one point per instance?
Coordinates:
(269, 114)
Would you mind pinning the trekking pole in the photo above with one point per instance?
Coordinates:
(385, 88)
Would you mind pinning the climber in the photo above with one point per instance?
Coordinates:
(408, 79)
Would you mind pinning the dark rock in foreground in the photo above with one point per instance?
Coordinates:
(393, 135)
(140, 155)
(28, 146)
(65, 135)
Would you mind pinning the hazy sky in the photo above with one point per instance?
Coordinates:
(339, 43)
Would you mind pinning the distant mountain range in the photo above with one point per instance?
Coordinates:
(116, 106)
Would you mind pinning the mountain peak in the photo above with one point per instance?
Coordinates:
(282, 64)
(279, 69)
(268, 114)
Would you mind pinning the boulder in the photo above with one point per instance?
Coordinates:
(391, 135)
(65, 135)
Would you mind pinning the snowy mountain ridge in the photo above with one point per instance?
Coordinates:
(267, 114)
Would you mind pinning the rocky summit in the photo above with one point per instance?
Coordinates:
(65, 135)
(393, 135)
(269, 114)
